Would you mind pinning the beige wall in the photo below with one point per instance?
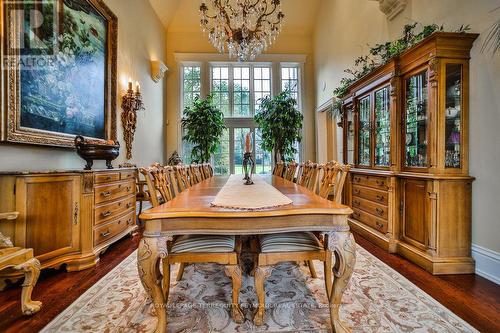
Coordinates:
(345, 27)
(141, 37)
(196, 42)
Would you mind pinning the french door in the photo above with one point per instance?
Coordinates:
(228, 159)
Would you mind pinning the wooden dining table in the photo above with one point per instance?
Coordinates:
(191, 212)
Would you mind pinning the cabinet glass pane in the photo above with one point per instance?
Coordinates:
(350, 137)
(364, 131)
(453, 115)
(382, 127)
(416, 116)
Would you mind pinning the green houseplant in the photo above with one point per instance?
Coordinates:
(203, 124)
(281, 125)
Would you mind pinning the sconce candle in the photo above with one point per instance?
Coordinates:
(137, 87)
(130, 87)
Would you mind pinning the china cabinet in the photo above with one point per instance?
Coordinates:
(406, 135)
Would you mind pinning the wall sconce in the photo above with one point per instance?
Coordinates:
(131, 103)
(158, 70)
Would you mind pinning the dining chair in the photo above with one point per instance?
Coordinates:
(195, 174)
(187, 249)
(309, 175)
(299, 246)
(278, 169)
(290, 171)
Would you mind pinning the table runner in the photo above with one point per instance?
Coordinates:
(261, 195)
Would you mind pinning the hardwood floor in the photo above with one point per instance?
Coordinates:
(471, 297)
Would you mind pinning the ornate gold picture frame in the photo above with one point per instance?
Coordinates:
(75, 93)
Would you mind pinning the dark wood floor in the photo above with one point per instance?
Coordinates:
(471, 297)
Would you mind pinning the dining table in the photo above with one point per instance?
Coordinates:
(192, 212)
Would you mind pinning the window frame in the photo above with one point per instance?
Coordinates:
(273, 62)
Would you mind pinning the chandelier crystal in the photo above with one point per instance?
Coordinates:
(245, 28)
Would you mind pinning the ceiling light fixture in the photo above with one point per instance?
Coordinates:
(245, 28)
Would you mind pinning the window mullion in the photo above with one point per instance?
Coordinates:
(231, 90)
(252, 92)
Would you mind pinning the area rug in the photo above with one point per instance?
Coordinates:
(378, 299)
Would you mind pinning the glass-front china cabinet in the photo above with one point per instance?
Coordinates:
(406, 137)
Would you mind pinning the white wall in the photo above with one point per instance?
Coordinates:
(141, 37)
(345, 27)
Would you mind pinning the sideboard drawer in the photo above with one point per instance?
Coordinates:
(370, 181)
(106, 193)
(111, 210)
(370, 207)
(378, 196)
(125, 175)
(106, 177)
(113, 228)
(370, 220)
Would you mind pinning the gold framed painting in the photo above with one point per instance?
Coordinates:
(58, 71)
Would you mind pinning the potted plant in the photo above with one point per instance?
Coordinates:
(281, 125)
(203, 124)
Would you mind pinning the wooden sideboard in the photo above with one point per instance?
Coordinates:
(69, 217)
(405, 131)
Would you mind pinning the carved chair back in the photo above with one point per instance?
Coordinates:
(182, 177)
(207, 170)
(333, 180)
(195, 174)
(278, 169)
(158, 180)
(309, 175)
(291, 169)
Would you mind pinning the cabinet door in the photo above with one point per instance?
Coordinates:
(416, 122)
(49, 220)
(415, 213)
(453, 116)
(364, 131)
(382, 128)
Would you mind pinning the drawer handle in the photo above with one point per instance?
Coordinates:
(379, 225)
(357, 179)
(356, 191)
(129, 205)
(380, 197)
(379, 211)
(356, 203)
(129, 221)
(106, 213)
(108, 178)
(380, 182)
(106, 194)
(356, 214)
(129, 188)
(105, 234)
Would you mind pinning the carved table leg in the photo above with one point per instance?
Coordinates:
(151, 251)
(31, 269)
(312, 269)
(328, 270)
(344, 246)
(261, 273)
(234, 272)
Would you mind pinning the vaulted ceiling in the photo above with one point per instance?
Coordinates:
(182, 15)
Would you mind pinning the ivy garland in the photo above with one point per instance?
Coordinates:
(380, 54)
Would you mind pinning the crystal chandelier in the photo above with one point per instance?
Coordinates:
(244, 27)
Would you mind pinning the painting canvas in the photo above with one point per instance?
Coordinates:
(66, 78)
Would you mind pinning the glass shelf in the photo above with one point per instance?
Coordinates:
(453, 123)
(416, 118)
(350, 137)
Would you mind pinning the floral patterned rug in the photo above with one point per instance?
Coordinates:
(378, 300)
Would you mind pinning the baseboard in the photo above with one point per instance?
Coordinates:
(487, 263)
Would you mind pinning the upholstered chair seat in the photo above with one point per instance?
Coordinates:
(289, 242)
(204, 243)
